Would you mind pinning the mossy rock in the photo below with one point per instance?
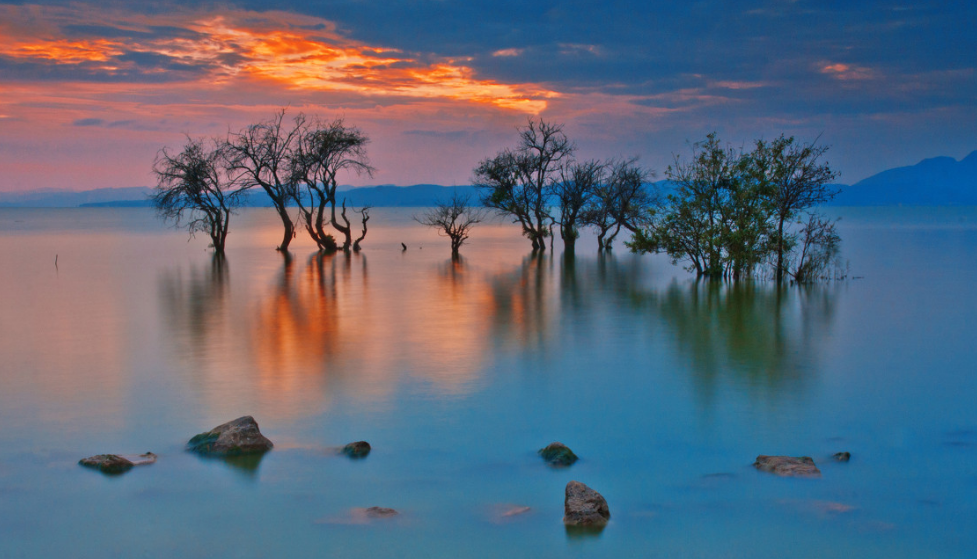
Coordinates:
(558, 454)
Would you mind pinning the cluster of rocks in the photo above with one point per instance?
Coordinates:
(583, 507)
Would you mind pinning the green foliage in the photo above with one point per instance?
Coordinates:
(729, 215)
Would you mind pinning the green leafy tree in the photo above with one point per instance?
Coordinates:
(796, 179)
(716, 219)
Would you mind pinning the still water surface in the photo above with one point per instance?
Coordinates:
(457, 372)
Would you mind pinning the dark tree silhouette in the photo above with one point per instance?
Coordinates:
(364, 217)
(623, 199)
(516, 183)
(453, 219)
(261, 154)
(575, 191)
(322, 151)
(196, 190)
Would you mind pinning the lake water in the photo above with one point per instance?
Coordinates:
(457, 373)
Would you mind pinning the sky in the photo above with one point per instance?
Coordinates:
(91, 91)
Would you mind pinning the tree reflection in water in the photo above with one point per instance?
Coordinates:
(323, 329)
(754, 334)
(196, 307)
(759, 334)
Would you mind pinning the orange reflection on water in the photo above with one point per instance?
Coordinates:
(295, 331)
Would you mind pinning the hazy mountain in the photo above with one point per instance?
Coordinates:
(377, 196)
(72, 199)
(940, 181)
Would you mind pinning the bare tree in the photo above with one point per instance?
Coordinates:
(453, 219)
(575, 190)
(517, 183)
(819, 248)
(322, 151)
(622, 199)
(261, 154)
(197, 190)
(797, 180)
(364, 217)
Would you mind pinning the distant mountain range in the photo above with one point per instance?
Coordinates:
(941, 181)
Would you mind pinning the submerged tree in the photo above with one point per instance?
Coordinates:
(197, 189)
(261, 153)
(321, 152)
(730, 213)
(623, 199)
(453, 219)
(716, 219)
(574, 191)
(797, 180)
(818, 248)
(516, 183)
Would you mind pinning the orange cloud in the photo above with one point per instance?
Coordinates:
(64, 51)
(508, 52)
(277, 48)
(847, 72)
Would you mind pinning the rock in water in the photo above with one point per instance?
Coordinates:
(801, 466)
(380, 512)
(233, 438)
(584, 507)
(107, 463)
(359, 449)
(558, 454)
(842, 456)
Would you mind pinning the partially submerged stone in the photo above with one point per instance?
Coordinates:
(558, 454)
(233, 438)
(842, 456)
(359, 449)
(107, 463)
(584, 507)
(117, 463)
(380, 512)
(801, 466)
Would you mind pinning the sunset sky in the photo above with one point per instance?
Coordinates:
(89, 91)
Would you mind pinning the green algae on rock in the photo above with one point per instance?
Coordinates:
(558, 454)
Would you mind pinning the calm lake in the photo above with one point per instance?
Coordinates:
(457, 373)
